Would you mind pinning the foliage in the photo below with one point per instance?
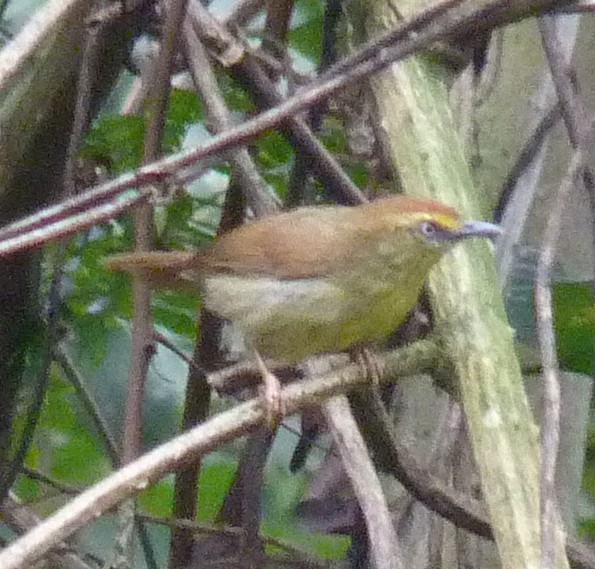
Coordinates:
(574, 321)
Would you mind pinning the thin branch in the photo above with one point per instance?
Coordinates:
(242, 505)
(164, 341)
(208, 353)
(249, 71)
(395, 458)
(194, 526)
(233, 378)
(523, 190)
(581, 7)
(142, 324)
(57, 485)
(206, 356)
(242, 12)
(578, 129)
(101, 426)
(153, 466)
(564, 79)
(530, 148)
(382, 538)
(219, 119)
(20, 518)
(276, 28)
(550, 423)
(142, 347)
(39, 234)
(300, 176)
(572, 108)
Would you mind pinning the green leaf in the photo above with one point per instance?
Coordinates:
(116, 142)
(176, 311)
(184, 110)
(574, 322)
(64, 446)
(306, 31)
(157, 499)
(216, 476)
(235, 95)
(586, 528)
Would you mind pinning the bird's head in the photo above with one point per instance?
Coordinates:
(427, 221)
(409, 232)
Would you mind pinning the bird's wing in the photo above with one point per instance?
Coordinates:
(302, 243)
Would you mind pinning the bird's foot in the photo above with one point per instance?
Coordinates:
(372, 366)
(272, 395)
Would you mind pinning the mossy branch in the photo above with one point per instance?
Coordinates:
(421, 141)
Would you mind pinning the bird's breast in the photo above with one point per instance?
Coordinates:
(290, 320)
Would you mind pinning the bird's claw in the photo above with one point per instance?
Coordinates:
(274, 405)
(273, 400)
(370, 364)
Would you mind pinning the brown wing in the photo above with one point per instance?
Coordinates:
(318, 241)
(298, 244)
(303, 243)
(307, 242)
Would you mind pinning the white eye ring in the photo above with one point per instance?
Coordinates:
(428, 229)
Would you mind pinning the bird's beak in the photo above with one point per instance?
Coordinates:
(478, 229)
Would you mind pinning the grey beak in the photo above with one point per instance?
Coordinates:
(479, 229)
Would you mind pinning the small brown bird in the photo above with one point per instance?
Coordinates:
(315, 279)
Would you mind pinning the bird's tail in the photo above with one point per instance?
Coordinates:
(162, 269)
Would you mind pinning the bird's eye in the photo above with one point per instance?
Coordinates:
(429, 229)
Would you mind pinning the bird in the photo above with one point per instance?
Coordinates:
(315, 279)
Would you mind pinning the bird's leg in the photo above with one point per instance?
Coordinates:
(273, 401)
(372, 367)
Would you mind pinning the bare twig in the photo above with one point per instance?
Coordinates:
(142, 347)
(395, 458)
(248, 69)
(142, 325)
(21, 519)
(35, 231)
(136, 476)
(242, 504)
(581, 7)
(276, 28)
(219, 119)
(576, 118)
(163, 340)
(300, 176)
(103, 430)
(383, 544)
(246, 184)
(520, 192)
(206, 356)
(242, 12)
(530, 149)
(578, 129)
(57, 485)
(564, 79)
(550, 423)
